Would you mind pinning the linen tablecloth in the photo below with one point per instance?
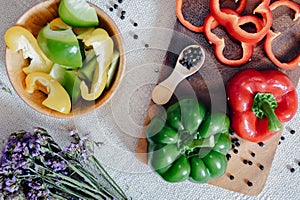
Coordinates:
(146, 29)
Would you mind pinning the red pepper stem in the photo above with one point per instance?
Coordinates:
(274, 124)
(264, 105)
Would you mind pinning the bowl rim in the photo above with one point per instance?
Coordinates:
(105, 97)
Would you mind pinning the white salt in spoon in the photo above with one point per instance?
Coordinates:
(189, 61)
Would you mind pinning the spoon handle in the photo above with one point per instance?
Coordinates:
(163, 92)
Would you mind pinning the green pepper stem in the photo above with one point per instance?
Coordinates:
(198, 143)
(274, 123)
(264, 105)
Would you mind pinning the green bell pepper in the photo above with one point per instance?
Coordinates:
(188, 142)
(60, 46)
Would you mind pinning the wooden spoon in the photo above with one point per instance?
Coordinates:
(189, 61)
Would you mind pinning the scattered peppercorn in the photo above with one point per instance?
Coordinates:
(111, 9)
(228, 156)
(231, 132)
(245, 162)
(299, 163)
(234, 140)
(231, 177)
(123, 12)
(261, 167)
(250, 162)
(282, 138)
(120, 1)
(122, 17)
(237, 144)
(235, 151)
(249, 183)
(292, 170)
(146, 45)
(261, 144)
(115, 6)
(135, 24)
(135, 36)
(253, 154)
(292, 131)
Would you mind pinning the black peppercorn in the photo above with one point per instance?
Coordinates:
(245, 162)
(115, 6)
(261, 144)
(261, 167)
(135, 24)
(111, 9)
(249, 183)
(120, 1)
(250, 162)
(292, 131)
(282, 138)
(122, 17)
(253, 154)
(235, 151)
(231, 177)
(299, 163)
(123, 12)
(228, 156)
(135, 36)
(146, 45)
(292, 170)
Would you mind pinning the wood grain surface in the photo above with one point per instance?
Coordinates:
(209, 85)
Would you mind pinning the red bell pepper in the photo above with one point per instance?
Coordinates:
(233, 23)
(272, 36)
(190, 26)
(219, 43)
(259, 102)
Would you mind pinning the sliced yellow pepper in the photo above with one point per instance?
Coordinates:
(58, 98)
(103, 46)
(18, 38)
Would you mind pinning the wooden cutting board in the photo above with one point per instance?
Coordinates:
(209, 83)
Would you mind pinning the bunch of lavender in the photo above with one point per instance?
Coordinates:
(33, 166)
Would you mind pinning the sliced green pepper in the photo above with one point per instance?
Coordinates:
(60, 46)
(71, 83)
(188, 142)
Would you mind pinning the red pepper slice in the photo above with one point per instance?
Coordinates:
(233, 22)
(259, 102)
(219, 43)
(198, 29)
(272, 36)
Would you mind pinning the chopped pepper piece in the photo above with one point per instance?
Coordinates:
(271, 35)
(58, 98)
(232, 22)
(61, 46)
(19, 38)
(188, 142)
(190, 26)
(103, 46)
(219, 43)
(259, 102)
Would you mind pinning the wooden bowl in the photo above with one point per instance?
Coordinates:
(33, 20)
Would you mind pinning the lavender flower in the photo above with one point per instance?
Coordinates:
(35, 167)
